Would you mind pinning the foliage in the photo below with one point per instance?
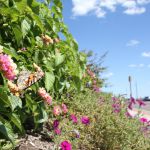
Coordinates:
(107, 130)
(34, 32)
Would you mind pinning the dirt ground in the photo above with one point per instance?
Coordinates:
(35, 142)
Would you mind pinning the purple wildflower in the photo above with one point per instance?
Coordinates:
(85, 120)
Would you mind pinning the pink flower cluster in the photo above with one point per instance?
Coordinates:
(7, 66)
(45, 96)
(57, 110)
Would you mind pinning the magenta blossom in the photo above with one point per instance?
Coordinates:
(143, 120)
(116, 106)
(85, 120)
(132, 100)
(141, 102)
(57, 131)
(74, 118)
(130, 106)
(55, 124)
(65, 145)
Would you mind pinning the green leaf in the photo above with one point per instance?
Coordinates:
(49, 80)
(11, 52)
(16, 120)
(42, 116)
(25, 27)
(15, 102)
(6, 130)
(21, 5)
(59, 58)
(18, 34)
(4, 97)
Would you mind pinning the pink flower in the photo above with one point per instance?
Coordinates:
(128, 114)
(143, 120)
(114, 99)
(74, 118)
(141, 102)
(57, 131)
(55, 124)
(64, 108)
(85, 120)
(132, 100)
(96, 89)
(57, 110)
(116, 106)
(45, 96)
(8, 67)
(130, 106)
(116, 110)
(65, 145)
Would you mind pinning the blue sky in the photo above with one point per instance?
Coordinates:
(121, 27)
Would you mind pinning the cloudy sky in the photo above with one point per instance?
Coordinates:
(121, 27)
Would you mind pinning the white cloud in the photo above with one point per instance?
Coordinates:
(101, 7)
(141, 65)
(132, 65)
(135, 10)
(82, 7)
(136, 65)
(108, 75)
(133, 43)
(141, 2)
(146, 54)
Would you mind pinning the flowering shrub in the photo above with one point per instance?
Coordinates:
(30, 33)
(105, 130)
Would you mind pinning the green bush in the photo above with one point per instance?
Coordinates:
(34, 32)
